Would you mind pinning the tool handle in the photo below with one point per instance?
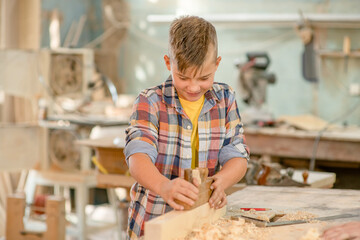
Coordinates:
(256, 209)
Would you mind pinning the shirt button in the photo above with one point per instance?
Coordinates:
(188, 127)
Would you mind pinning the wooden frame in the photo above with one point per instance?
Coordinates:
(55, 220)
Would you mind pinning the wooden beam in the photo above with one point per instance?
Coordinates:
(114, 180)
(14, 216)
(177, 224)
(55, 218)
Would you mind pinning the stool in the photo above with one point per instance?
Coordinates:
(81, 182)
(55, 219)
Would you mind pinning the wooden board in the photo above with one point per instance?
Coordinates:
(337, 146)
(305, 122)
(176, 224)
(321, 202)
(24, 146)
(114, 180)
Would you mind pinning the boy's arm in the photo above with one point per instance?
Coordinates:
(233, 156)
(144, 171)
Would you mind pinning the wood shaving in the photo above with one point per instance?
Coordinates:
(299, 215)
(226, 229)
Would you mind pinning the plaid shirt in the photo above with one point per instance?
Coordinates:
(160, 128)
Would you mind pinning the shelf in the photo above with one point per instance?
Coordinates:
(338, 54)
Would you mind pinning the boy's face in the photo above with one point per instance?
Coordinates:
(191, 86)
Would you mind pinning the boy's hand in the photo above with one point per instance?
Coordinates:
(350, 230)
(218, 197)
(179, 189)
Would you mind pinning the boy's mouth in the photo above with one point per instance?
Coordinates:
(193, 94)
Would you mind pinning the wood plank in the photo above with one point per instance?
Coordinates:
(321, 202)
(305, 122)
(14, 217)
(281, 143)
(30, 138)
(55, 218)
(114, 180)
(176, 224)
(66, 178)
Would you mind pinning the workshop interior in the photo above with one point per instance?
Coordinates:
(70, 72)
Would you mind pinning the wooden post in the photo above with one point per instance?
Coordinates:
(55, 218)
(14, 217)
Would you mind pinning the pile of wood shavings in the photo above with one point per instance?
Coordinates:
(226, 229)
(299, 215)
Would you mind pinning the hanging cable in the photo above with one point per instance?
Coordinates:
(320, 133)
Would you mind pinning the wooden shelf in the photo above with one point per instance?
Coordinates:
(114, 180)
(338, 54)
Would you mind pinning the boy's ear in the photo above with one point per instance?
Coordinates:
(167, 62)
(218, 60)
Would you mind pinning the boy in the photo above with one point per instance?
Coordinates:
(188, 121)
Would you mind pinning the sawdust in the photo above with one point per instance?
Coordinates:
(311, 234)
(299, 215)
(226, 229)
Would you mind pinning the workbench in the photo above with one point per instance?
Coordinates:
(337, 145)
(321, 202)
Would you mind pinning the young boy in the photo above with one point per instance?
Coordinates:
(188, 121)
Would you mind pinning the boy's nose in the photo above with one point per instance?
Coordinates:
(194, 88)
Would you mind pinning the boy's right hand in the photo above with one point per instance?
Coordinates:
(179, 189)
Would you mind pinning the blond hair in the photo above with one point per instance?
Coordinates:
(189, 40)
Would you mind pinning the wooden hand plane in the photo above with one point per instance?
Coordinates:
(201, 176)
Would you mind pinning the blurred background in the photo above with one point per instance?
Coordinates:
(71, 70)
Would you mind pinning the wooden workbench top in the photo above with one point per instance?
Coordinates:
(322, 202)
(339, 134)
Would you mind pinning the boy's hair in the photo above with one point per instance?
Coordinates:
(189, 40)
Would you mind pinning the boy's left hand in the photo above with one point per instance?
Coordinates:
(218, 197)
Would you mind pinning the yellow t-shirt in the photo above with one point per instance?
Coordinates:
(193, 109)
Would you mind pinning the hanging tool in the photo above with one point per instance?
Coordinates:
(346, 51)
(309, 56)
(255, 209)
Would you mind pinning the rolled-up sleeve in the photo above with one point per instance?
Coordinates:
(234, 144)
(142, 133)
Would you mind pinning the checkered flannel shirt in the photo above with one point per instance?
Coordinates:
(160, 128)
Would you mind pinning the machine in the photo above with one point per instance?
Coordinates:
(253, 80)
